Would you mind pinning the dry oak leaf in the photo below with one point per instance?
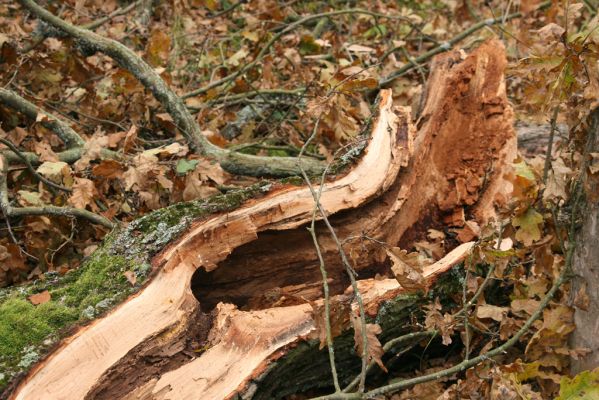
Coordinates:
(407, 269)
(45, 152)
(489, 311)
(84, 193)
(529, 226)
(375, 349)
(93, 149)
(57, 172)
(339, 312)
(109, 169)
(443, 323)
(40, 298)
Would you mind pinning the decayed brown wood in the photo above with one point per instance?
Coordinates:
(253, 268)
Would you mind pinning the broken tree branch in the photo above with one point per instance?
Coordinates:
(40, 177)
(11, 211)
(237, 163)
(31, 111)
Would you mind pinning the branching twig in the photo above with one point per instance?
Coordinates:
(40, 36)
(464, 365)
(238, 163)
(55, 124)
(323, 271)
(450, 43)
(276, 37)
(31, 169)
(350, 271)
(10, 211)
(49, 121)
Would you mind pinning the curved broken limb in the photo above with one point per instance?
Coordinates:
(234, 162)
(171, 303)
(250, 267)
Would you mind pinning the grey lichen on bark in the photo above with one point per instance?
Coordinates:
(99, 284)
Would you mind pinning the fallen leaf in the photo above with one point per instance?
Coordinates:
(84, 192)
(375, 349)
(40, 298)
(45, 152)
(528, 225)
(108, 169)
(492, 312)
(584, 386)
(407, 270)
(435, 320)
(27, 198)
(131, 277)
(184, 166)
(338, 317)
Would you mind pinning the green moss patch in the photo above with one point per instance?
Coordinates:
(28, 331)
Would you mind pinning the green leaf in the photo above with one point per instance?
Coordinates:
(308, 45)
(584, 386)
(524, 171)
(184, 166)
(529, 226)
(376, 31)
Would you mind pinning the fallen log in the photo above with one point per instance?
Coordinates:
(225, 309)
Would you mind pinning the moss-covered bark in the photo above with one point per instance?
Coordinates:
(306, 367)
(28, 332)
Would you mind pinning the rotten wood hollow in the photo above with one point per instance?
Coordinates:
(228, 301)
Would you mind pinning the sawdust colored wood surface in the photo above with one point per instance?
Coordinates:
(223, 306)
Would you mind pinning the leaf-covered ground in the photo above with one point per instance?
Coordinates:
(255, 75)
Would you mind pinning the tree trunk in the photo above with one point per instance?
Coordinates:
(585, 265)
(226, 309)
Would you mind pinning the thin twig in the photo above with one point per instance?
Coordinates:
(55, 124)
(10, 211)
(450, 43)
(39, 37)
(237, 163)
(350, 272)
(323, 272)
(227, 10)
(31, 169)
(549, 152)
(408, 337)
(276, 37)
(466, 364)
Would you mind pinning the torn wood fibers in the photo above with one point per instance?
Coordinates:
(230, 296)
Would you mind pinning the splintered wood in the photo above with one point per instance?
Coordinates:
(255, 269)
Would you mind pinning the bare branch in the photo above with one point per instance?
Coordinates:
(55, 124)
(10, 211)
(236, 163)
(414, 63)
(279, 34)
(19, 154)
(40, 36)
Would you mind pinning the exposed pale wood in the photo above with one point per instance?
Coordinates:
(165, 304)
(248, 341)
(405, 184)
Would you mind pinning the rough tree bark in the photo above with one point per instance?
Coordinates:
(225, 311)
(585, 266)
